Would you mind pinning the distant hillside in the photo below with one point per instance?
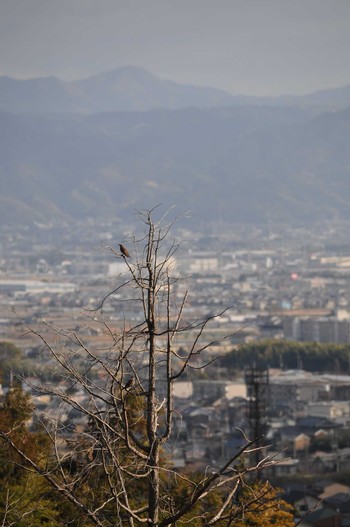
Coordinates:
(234, 164)
(135, 89)
(336, 98)
(123, 89)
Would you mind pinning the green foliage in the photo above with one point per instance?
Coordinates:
(10, 357)
(263, 508)
(9, 351)
(24, 495)
(15, 410)
(27, 502)
(311, 356)
(322, 443)
(15, 413)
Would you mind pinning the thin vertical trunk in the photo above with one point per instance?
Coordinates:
(153, 487)
(153, 482)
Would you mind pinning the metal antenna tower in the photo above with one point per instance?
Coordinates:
(257, 383)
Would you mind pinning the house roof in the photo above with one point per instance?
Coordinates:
(320, 514)
(335, 489)
(340, 502)
(316, 423)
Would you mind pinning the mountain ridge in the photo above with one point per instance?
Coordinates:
(65, 155)
(242, 164)
(130, 88)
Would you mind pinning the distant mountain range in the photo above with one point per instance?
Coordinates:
(124, 89)
(135, 89)
(68, 151)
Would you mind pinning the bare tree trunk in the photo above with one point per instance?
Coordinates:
(127, 423)
(153, 484)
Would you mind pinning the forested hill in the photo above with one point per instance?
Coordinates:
(310, 356)
(103, 146)
(245, 164)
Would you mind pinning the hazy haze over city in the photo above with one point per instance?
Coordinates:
(174, 206)
(110, 106)
(251, 47)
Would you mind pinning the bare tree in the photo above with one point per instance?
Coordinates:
(115, 468)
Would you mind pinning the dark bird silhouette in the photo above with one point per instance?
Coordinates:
(124, 251)
(130, 383)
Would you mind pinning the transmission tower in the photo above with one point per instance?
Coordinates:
(257, 383)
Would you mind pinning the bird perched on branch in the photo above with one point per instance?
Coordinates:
(124, 251)
(129, 384)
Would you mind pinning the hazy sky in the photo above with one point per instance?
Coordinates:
(257, 47)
